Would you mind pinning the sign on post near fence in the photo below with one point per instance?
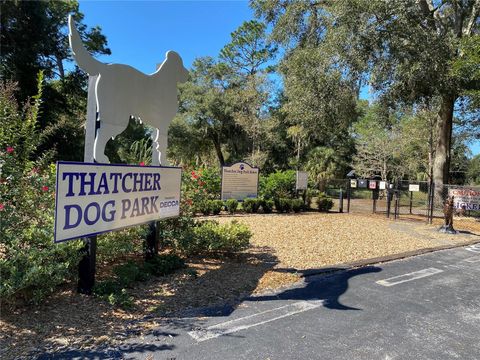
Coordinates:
(96, 198)
(302, 180)
(414, 187)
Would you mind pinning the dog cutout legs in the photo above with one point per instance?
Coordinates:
(155, 148)
(160, 148)
(104, 134)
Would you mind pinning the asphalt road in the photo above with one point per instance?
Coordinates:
(424, 307)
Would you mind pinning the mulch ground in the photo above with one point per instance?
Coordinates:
(283, 246)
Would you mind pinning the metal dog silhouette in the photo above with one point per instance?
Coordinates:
(122, 91)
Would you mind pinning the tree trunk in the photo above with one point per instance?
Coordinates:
(441, 164)
(61, 70)
(218, 150)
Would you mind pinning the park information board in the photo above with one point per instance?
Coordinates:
(465, 198)
(96, 198)
(239, 181)
(302, 180)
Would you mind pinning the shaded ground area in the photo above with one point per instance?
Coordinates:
(283, 248)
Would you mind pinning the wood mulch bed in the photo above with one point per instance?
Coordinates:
(283, 246)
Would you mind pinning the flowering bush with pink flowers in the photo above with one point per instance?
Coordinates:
(30, 264)
(199, 186)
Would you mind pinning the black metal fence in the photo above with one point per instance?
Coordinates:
(402, 199)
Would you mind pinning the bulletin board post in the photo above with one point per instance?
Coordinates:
(87, 265)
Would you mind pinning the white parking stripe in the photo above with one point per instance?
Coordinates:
(473, 248)
(246, 322)
(409, 277)
(473, 259)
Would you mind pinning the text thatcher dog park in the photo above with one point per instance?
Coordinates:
(92, 199)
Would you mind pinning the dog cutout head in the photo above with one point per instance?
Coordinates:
(175, 63)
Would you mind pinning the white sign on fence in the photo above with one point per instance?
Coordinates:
(414, 187)
(302, 180)
(382, 185)
(96, 198)
(239, 181)
(466, 198)
(353, 183)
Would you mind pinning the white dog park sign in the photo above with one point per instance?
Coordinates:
(96, 198)
(93, 198)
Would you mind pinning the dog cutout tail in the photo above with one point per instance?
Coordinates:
(84, 60)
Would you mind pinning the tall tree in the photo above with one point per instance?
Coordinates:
(34, 38)
(248, 55)
(405, 48)
(377, 142)
(205, 105)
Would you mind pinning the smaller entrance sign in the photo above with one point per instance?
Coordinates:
(95, 198)
(353, 183)
(382, 185)
(239, 181)
(414, 187)
(302, 180)
(372, 184)
(362, 183)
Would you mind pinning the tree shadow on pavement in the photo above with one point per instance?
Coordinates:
(327, 288)
(119, 353)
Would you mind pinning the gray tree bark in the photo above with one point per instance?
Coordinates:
(441, 164)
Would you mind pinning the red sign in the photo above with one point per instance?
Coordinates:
(372, 185)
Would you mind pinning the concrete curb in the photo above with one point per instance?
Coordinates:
(381, 259)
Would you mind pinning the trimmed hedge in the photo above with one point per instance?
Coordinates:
(251, 205)
(324, 203)
(210, 236)
(231, 205)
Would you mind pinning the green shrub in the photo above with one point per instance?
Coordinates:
(297, 205)
(231, 205)
(210, 236)
(280, 184)
(114, 290)
(200, 185)
(161, 265)
(216, 206)
(31, 265)
(115, 244)
(309, 195)
(283, 205)
(324, 203)
(251, 205)
(267, 206)
(205, 207)
(128, 273)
